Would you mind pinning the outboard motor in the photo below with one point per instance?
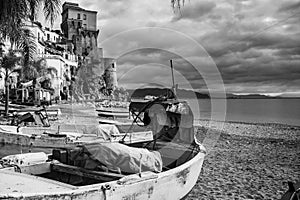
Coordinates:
(169, 119)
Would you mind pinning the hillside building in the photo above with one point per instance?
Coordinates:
(65, 51)
(80, 26)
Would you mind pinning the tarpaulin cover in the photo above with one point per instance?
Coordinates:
(104, 131)
(127, 159)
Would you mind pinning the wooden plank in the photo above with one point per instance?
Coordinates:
(102, 176)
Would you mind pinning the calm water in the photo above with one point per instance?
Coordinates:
(283, 111)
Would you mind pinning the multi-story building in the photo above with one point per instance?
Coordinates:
(80, 26)
(65, 50)
(55, 50)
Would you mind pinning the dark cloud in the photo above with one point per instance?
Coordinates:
(143, 60)
(195, 10)
(289, 5)
(254, 43)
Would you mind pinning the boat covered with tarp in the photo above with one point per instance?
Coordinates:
(166, 166)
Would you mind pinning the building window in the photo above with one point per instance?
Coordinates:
(38, 35)
(84, 16)
(48, 36)
(78, 16)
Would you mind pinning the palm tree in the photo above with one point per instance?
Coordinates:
(9, 62)
(13, 17)
(177, 4)
(15, 13)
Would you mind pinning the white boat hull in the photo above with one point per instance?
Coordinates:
(34, 137)
(9, 135)
(169, 185)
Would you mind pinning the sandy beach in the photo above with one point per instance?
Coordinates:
(249, 161)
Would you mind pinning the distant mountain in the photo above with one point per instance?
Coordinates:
(189, 94)
(181, 93)
(251, 96)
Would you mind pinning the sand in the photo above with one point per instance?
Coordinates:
(250, 161)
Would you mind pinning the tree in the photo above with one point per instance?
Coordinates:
(14, 14)
(177, 4)
(9, 62)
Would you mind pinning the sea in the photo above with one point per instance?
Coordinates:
(281, 111)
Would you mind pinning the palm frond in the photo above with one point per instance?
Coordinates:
(51, 10)
(10, 60)
(12, 9)
(12, 13)
(33, 8)
(177, 4)
(27, 45)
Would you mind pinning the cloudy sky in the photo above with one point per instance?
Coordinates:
(253, 46)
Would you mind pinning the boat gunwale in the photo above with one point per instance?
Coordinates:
(77, 190)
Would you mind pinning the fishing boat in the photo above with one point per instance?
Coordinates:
(67, 136)
(32, 129)
(18, 110)
(51, 179)
(165, 167)
(52, 113)
(113, 109)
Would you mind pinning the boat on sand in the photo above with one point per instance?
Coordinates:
(66, 136)
(175, 181)
(165, 167)
(113, 109)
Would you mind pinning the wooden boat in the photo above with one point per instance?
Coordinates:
(19, 110)
(61, 176)
(52, 113)
(37, 180)
(113, 109)
(66, 136)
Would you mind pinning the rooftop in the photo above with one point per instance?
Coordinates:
(74, 6)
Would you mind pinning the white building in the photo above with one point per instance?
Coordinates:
(58, 54)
